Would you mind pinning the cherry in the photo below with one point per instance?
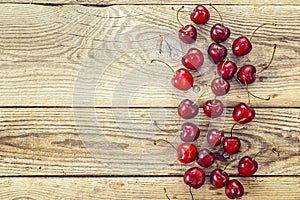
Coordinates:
(227, 69)
(190, 132)
(200, 15)
(182, 79)
(217, 52)
(186, 152)
(193, 59)
(247, 166)
(220, 87)
(231, 145)
(214, 137)
(219, 33)
(243, 113)
(246, 74)
(213, 108)
(187, 109)
(205, 158)
(219, 178)
(194, 177)
(234, 189)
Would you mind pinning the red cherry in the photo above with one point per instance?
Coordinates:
(241, 46)
(214, 137)
(187, 109)
(231, 145)
(205, 158)
(217, 52)
(213, 108)
(193, 59)
(242, 113)
(220, 86)
(247, 166)
(246, 74)
(200, 15)
(186, 152)
(227, 69)
(234, 189)
(219, 178)
(190, 132)
(219, 33)
(183, 80)
(194, 177)
(188, 34)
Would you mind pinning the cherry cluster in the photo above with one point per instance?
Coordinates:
(221, 146)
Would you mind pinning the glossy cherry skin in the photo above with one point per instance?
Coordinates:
(247, 166)
(187, 109)
(246, 74)
(188, 34)
(234, 189)
(220, 86)
(231, 145)
(190, 132)
(183, 80)
(213, 108)
(186, 152)
(219, 178)
(193, 59)
(200, 15)
(241, 46)
(227, 69)
(214, 137)
(217, 52)
(243, 113)
(194, 177)
(205, 158)
(219, 33)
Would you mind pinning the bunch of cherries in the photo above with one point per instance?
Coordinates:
(226, 69)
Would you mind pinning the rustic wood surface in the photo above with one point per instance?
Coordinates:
(81, 105)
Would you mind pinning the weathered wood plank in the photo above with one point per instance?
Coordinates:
(44, 49)
(49, 141)
(140, 188)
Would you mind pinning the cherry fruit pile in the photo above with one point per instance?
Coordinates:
(224, 146)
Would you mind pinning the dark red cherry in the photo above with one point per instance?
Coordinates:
(194, 177)
(227, 69)
(219, 33)
(193, 59)
(214, 137)
(241, 46)
(190, 132)
(188, 34)
(234, 189)
(231, 145)
(246, 74)
(187, 109)
(200, 15)
(213, 108)
(217, 52)
(205, 158)
(186, 152)
(220, 86)
(243, 114)
(247, 166)
(183, 80)
(219, 178)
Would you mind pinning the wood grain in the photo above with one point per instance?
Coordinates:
(140, 188)
(66, 55)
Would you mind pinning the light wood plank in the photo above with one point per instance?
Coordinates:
(140, 188)
(44, 50)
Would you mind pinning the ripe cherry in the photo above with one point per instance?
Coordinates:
(246, 74)
(220, 86)
(186, 152)
(213, 108)
(200, 15)
(219, 33)
(243, 113)
(217, 52)
(247, 166)
(194, 177)
(219, 178)
(214, 137)
(193, 59)
(227, 69)
(205, 158)
(234, 189)
(231, 145)
(190, 132)
(187, 109)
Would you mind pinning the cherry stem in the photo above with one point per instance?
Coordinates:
(225, 168)
(155, 60)
(272, 23)
(191, 193)
(165, 191)
(167, 131)
(233, 128)
(271, 60)
(253, 158)
(199, 96)
(222, 22)
(248, 93)
(162, 140)
(178, 15)
(161, 43)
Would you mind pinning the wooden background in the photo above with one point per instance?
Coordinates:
(45, 45)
